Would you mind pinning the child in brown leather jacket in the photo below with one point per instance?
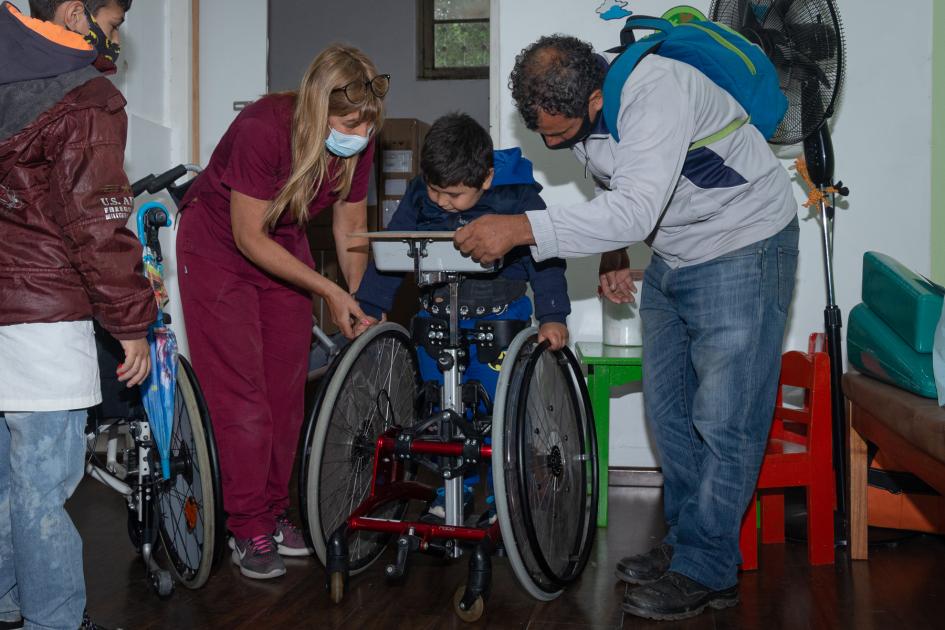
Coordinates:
(66, 258)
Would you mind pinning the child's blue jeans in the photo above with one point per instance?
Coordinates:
(42, 459)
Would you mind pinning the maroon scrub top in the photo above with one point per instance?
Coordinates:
(254, 157)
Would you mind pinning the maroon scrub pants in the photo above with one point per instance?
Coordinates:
(249, 339)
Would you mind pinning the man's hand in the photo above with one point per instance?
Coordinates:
(137, 363)
(490, 237)
(555, 333)
(616, 277)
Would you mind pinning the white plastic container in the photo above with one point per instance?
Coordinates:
(621, 323)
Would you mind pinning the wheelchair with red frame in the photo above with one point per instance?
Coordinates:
(375, 430)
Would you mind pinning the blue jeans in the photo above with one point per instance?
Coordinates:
(487, 374)
(712, 337)
(42, 460)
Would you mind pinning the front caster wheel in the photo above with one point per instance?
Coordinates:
(162, 583)
(336, 587)
(470, 613)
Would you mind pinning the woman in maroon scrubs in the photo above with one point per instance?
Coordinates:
(247, 280)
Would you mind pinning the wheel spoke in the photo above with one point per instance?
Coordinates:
(373, 392)
(552, 537)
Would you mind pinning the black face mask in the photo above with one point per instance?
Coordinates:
(582, 133)
(96, 37)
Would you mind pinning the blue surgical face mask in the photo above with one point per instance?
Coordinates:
(345, 145)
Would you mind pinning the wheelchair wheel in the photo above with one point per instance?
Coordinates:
(189, 503)
(544, 466)
(371, 387)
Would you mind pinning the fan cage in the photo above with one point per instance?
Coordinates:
(805, 41)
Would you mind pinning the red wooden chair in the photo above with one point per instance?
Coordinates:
(798, 454)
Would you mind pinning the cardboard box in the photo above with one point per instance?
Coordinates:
(326, 263)
(400, 143)
(399, 162)
(320, 235)
(319, 228)
(373, 212)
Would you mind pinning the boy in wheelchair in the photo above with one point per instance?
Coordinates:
(462, 178)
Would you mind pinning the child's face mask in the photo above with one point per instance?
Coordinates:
(99, 41)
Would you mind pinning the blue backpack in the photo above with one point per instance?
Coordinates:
(726, 57)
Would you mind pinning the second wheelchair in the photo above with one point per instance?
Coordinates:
(178, 509)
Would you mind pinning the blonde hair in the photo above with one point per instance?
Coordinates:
(336, 66)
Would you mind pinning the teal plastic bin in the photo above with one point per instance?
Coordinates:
(907, 302)
(874, 348)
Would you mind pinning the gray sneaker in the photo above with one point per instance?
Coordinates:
(289, 539)
(257, 557)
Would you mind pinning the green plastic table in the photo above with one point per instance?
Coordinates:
(607, 367)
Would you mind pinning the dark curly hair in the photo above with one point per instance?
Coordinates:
(456, 152)
(557, 75)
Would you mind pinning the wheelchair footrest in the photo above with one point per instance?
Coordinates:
(406, 544)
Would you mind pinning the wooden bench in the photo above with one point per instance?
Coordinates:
(908, 427)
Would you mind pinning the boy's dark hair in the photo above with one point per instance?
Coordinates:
(95, 5)
(457, 151)
(557, 75)
(46, 9)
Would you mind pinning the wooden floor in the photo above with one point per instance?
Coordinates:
(900, 588)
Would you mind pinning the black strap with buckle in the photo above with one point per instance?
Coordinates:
(490, 336)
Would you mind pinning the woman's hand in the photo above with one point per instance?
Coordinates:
(366, 323)
(555, 333)
(616, 277)
(345, 312)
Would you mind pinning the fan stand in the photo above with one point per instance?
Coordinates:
(818, 153)
(800, 35)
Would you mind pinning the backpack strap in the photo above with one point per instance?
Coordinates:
(632, 51)
(725, 132)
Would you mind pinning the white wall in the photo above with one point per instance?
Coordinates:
(387, 33)
(233, 52)
(881, 138)
(155, 76)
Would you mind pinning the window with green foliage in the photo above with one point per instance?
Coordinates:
(454, 39)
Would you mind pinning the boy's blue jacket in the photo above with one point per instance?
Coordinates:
(513, 191)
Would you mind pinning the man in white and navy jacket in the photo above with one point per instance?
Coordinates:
(722, 222)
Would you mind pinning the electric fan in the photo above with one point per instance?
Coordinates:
(804, 40)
